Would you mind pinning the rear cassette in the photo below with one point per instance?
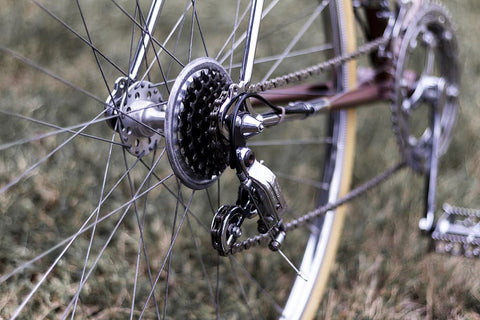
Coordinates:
(197, 153)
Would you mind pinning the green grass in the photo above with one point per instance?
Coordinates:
(385, 268)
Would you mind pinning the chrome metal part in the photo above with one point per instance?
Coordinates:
(251, 43)
(307, 218)
(113, 102)
(142, 118)
(426, 55)
(146, 38)
(226, 228)
(458, 232)
(427, 223)
(251, 125)
(198, 155)
(264, 189)
(264, 192)
(294, 111)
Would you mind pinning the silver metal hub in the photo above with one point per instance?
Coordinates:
(142, 118)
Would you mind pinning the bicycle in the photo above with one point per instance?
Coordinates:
(187, 130)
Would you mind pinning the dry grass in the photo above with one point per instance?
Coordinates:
(384, 267)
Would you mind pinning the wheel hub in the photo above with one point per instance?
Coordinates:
(142, 116)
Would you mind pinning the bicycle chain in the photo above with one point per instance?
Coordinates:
(315, 70)
(282, 82)
(296, 77)
(263, 239)
(300, 75)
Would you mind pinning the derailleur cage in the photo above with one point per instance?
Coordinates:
(259, 195)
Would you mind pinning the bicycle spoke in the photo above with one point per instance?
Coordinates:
(56, 132)
(294, 41)
(231, 36)
(155, 41)
(243, 36)
(242, 290)
(201, 260)
(87, 42)
(177, 231)
(24, 174)
(197, 21)
(92, 235)
(86, 227)
(34, 65)
(124, 235)
(174, 224)
(142, 243)
(253, 281)
(138, 195)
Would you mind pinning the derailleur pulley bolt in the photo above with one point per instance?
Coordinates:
(249, 158)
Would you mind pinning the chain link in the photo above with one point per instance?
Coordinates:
(263, 239)
(295, 78)
(307, 73)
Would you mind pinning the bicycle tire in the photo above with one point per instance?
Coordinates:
(45, 211)
(345, 164)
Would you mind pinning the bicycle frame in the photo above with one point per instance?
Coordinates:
(373, 87)
(250, 42)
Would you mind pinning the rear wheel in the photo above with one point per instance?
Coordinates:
(96, 224)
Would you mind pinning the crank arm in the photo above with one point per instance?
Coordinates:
(427, 223)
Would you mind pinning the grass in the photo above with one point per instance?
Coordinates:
(384, 270)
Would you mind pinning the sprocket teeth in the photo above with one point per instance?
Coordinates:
(204, 153)
(434, 14)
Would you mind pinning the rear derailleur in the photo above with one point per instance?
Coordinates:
(259, 195)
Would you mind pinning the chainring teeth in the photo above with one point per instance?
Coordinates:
(194, 122)
(433, 20)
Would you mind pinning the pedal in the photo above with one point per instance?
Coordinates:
(458, 232)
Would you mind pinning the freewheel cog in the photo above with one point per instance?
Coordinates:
(426, 76)
(198, 155)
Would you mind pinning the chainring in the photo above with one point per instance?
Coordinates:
(198, 155)
(426, 73)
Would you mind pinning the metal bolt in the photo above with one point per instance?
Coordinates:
(236, 231)
(249, 158)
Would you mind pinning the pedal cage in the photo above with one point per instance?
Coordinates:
(458, 232)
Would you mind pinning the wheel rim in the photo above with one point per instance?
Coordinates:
(139, 208)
